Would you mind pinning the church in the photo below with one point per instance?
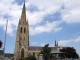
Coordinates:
(22, 47)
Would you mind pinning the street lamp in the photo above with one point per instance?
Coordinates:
(5, 38)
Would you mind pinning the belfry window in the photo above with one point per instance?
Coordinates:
(24, 30)
(21, 30)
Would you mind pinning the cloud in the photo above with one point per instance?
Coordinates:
(48, 27)
(66, 42)
(77, 39)
(10, 14)
(71, 11)
(46, 8)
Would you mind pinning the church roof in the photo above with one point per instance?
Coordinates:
(39, 48)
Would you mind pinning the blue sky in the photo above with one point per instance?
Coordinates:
(48, 19)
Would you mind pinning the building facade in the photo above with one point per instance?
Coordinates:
(22, 48)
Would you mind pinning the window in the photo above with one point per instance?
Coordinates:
(33, 53)
(24, 30)
(22, 53)
(21, 30)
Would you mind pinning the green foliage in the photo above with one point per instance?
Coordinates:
(21, 59)
(45, 51)
(69, 52)
(29, 58)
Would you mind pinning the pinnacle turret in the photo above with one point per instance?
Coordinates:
(55, 42)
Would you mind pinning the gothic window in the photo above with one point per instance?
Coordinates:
(22, 53)
(24, 40)
(24, 30)
(33, 53)
(21, 30)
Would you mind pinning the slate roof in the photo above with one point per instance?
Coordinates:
(1, 52)
(39, 48)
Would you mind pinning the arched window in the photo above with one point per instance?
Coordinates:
(24, 30)
(33, 53)
(22, 53)
(21, 30)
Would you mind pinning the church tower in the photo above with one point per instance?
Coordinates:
(22, 36)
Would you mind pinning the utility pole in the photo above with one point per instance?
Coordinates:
(5, 38)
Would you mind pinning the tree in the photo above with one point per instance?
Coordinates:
(45, 51)
(29, 58)
(0, 43)
(69, 52)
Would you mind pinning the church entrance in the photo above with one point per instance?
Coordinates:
(22, 53)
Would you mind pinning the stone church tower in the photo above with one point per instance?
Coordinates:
(22, 36)
(22, 48)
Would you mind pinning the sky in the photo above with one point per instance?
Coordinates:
(49, 20)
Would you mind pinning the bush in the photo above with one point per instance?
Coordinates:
(29, 58)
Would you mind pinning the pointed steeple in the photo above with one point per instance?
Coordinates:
(23, 15)
(55, 42)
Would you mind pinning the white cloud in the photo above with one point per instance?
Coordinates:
(45, 7)
(66, 42)
(77, 40)
(48, 27)
(71, 12)
(12, 12)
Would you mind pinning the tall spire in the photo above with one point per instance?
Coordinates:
(23, 15)
(55, 42)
